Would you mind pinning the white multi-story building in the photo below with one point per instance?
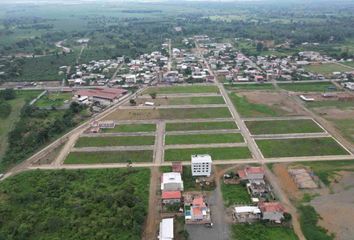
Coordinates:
(171, 181)
(201, 165)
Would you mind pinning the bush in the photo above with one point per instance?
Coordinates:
(8, 94)
(5, 109)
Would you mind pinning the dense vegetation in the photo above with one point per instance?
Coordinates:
(259, 231)
(80, 204)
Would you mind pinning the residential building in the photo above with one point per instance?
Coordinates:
(201, 165)
(251, 173)
(171, 197)
(245, 214)
(272, 211)
(171, 181)
(166, 229)
(196, 211)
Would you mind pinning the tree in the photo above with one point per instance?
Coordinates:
(5, 109)
(8, 94)
(132, 102)
(153, 95)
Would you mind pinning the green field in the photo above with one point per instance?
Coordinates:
(247, 109)
(194, 126)
(280, 126)
(300, 147)
(115, 141)
(235, 194)
(75, 204)
(221, 153)
(267, 86)
(327, 69)
(204, 138)
(109, 157)
(131, 128)
(259, 231)
(183, 89)
(349, 64)
(346, 127)
(196, 100)
(53, 99)
(307, 87)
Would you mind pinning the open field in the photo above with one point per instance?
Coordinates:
(331, 103)
(131, 128)
(306, 87)
(266, 86)
(300, 147)
(259, 231)
(180, 113)
(204, 138)
(349, 64)
(53, 99)
(346, 127)
(115, 141)
(183, 100)
(109, 157)
(222, 153)
(326, 69)
(281, 126)
(183, 89)
(235, 194)
(61, 204)
(194, 126)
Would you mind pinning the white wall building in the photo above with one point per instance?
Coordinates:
(171, 181)
(201, 165)
(166, 229)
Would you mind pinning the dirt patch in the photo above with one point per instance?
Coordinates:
(337, 209)
(335, 113)
(288, 184)
(277, 100)
(157, 101)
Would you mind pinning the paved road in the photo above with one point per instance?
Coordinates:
(276, 118)
(175, 106)
(182, 95)
(67, 148)
(308, 81)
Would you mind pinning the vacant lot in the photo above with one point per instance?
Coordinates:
(204, 138)
(235, 194)
(266, 86)
(222, 153)
(183, 89)
(194, 126)
(281, 126)
(62, 204)
(327, 69)
(53, 99)
(307, 87)
(131, 128)
(300, 147)
(109, 157)
(349, 64)
(115, 141)
(180, 113)
(183, 100)
(259, 231)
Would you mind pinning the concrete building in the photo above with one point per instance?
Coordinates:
(251, 173)
(201, 165)
(166, 229)
(245, 214)
(171, 181)
(272, 211)
(171, 197)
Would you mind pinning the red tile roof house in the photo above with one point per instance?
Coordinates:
(272, 211)
(171, 197)
(197, 212)
(105, 96)
(177, 167)
(251, 173)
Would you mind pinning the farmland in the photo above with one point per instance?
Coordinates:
(194, 126)
(109, 157)
(115, 141)
(204, 138)
(71, 200)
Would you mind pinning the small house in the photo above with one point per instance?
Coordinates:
(272, 211)
(166, 229)
(171, 197)
(171, 181)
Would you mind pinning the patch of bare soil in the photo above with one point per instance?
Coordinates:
(157, 101)
(278, 100)
(335, 113)
(337, 208)
(50, 157)
(288, 184)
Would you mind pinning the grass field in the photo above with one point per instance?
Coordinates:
(204, 138)
(196, 100)
(183, 89)
(346, 127)
(131, 128)
(280, 126)
(327, 69)
(247, 109)
(259, 231)
(62, 204)
(180, 113)
(194, 126)
(53, 99)
(349, 64)
(115, 141)
(306, 87)
(221, 153)
(235, 194)
(109, 157)
(249, 86)
(300, 147)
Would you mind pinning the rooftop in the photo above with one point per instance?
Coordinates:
(201, 158)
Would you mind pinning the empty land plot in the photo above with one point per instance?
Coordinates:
(183, 89)
(195, 126)
(300, 147)
(259, 231)
(327, 69)
(131, 128)
(221, 153)
(307, 87)
(204, 138)
(179, 113)
(53, 99)
(183, 100)
(109, 157)
(349, 64)
(283, 126)
(235, 194)
(115, 141)
(266, 86)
